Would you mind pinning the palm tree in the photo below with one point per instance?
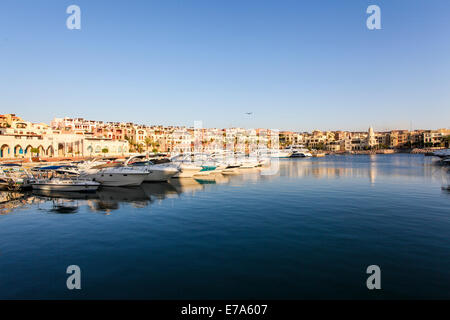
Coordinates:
(35, 151)
(148, 142)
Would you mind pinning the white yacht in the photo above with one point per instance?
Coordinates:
(299, 151)
(188, 169)
(69, 185)
(156, 172)
(227, 161)
(282, 153)
(14, 177)
(196, 164)
(116, 176)
(443, 153)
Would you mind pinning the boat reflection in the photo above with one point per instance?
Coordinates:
(186, 185)
(159, 191)
(64, 207)
(11, 200)
(374, 169)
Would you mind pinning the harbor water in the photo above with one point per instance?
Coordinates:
(309, 231)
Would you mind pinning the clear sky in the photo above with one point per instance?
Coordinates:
(297, 65)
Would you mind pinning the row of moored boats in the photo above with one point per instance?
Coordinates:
(88, 176)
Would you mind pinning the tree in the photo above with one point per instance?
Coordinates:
(105, 150)
(446, 141)
(35, 151)
(148, 142)
(320, 146)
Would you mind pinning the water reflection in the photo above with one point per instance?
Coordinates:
(64, 207)
(374, 168)
(371, 167)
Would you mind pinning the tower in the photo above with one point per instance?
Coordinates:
(371, 139)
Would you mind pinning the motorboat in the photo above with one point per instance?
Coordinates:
(446, 161)
(299, 151)
(282, 153)
(186, 165)
(246, 162)
(70, 170)
(161, 172)
(443, 153)
(227, 161)
(156, 172)
(249, 163)
(206, 170)
(69, 185)
(188, 170)
(195, 164)
(14, 177)
(116, 176)
(13, 183)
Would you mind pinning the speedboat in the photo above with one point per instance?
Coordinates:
(443, 153)
(246, 162)
(446, 161)
(156, 172)
(282, 153)
(14, 177)
(227, 162)
(196, 164)
(69, 185)
(13, 183)
(188, 170)
(187, 167)
(299, 151)
(161, 172)
(116, 176)
(206, 170)
(60, 169)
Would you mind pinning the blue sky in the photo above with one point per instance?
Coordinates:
(297, 65)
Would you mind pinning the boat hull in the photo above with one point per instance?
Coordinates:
(119, 179)
(300, 155)
(160, 175)
(187, 172)
(281, 154)
(65, 188)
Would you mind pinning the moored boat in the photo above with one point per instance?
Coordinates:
(299, 151)
(116, 176)
(66, 185)
(14, 177)
(161, 172)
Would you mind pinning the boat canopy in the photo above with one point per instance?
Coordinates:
(10, 165)
(53, 168)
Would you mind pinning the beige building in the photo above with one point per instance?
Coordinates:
(23, 139)
(435, 137)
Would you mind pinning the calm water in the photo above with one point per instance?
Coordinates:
(309, 231)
